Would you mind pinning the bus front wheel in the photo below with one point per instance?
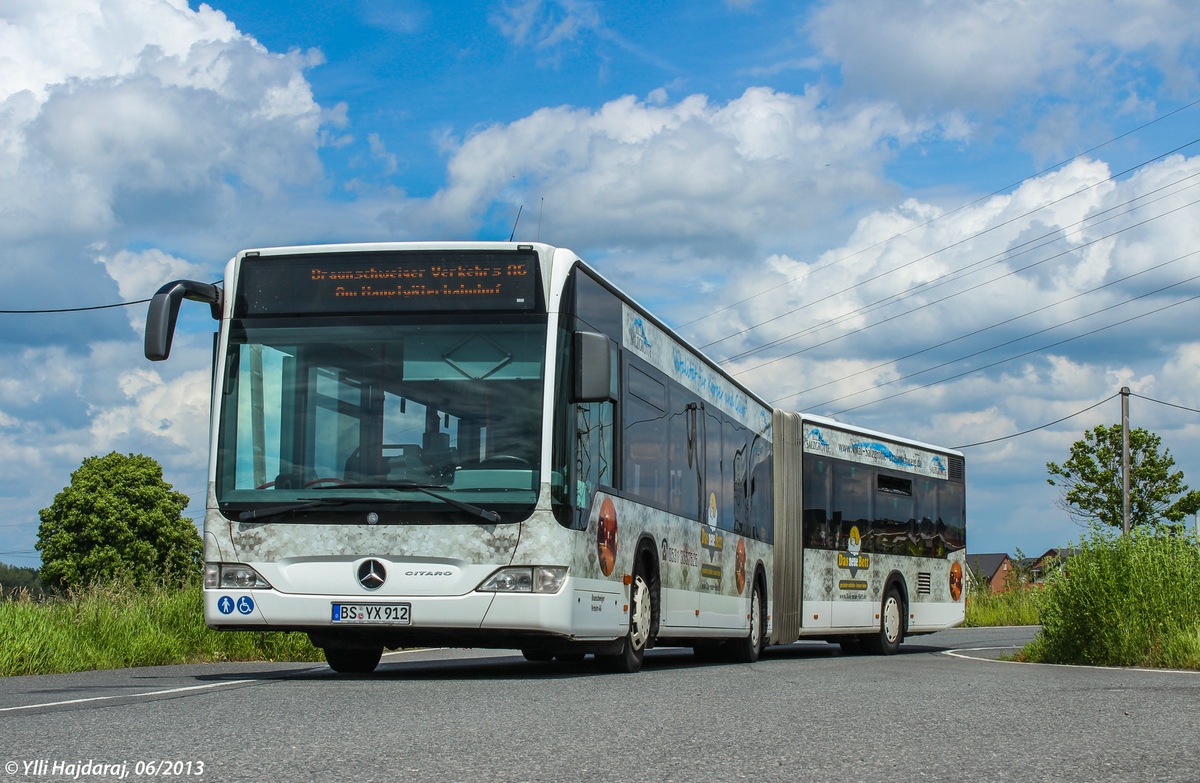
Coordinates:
(641, 616)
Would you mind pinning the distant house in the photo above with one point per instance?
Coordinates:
(994, 569)
(1038, 567)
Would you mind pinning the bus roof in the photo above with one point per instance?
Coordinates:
(885, 436)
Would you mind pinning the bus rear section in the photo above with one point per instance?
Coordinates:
(881, 522)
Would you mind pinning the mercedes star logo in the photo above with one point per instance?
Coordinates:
(371, 574)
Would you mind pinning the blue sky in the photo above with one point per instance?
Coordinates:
(858, 206)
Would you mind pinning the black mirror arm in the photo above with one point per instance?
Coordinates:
(164, 311)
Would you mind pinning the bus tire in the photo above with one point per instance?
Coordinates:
(749, 647)
(536, 655)
(353, 660)
(641, 618)
(891, 624)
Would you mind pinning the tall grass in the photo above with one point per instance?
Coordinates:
(1124, 601)
(1016, 606)
(114, 626)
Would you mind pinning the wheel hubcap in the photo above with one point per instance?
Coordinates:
(755, 619)
(891, 620)
(639, 629)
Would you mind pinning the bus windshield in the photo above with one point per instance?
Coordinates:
(371, 410)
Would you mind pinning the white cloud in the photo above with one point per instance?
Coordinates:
(691, 173)
(545, 24)
(139, 275)
(160, 413)
(380, 153)
(398, 16)
(103, 104)
(981, 56)
(124, 123)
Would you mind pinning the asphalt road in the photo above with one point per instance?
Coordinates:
(939, 711)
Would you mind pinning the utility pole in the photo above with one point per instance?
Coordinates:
(1125, 459)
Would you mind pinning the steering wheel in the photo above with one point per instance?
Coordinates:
(316, 481)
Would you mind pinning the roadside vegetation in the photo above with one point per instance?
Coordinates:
(116, 625)
(1124, 601)
(120, 582)
(1019, 605)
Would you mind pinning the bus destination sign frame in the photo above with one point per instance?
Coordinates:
(387, 282)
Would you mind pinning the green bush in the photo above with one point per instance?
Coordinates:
(1124, 601)
(117, 625)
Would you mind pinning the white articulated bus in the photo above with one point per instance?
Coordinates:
(488, 445)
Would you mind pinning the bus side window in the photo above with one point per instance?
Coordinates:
(852, 499)
(644, 434)
(817, 496)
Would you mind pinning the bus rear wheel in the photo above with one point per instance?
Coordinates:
(641, 616)
(353, 660)
(891, 625)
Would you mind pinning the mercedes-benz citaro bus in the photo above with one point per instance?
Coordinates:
(478, 444)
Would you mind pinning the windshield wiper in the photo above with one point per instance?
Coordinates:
(483, 513)
(274, 511)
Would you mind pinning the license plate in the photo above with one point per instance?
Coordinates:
(378, 614)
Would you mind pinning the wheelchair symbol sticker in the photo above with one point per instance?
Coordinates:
(245, 604)
(225, 605)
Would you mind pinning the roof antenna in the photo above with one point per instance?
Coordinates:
(515, 222)
(541, 203)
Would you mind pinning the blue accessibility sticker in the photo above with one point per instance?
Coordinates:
(245, 604)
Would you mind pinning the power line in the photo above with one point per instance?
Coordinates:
(931, 254)
(1010, 342)
(944, 343)
(1160, 402)
(1011, 358)
(1035, 429)
(947, 214)
(933, 302)
(962, 272)
(82, 309)
(73, 309)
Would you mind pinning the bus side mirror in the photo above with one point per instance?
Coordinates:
(593, 368)
(164, 310)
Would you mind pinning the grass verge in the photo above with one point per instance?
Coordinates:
(1123, 601)
(1015, 606)
(115, 626)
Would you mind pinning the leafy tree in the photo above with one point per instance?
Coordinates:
(1091, 480)
(118, 519)
(15, 579)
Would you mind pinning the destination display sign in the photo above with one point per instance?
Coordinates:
(387, 281)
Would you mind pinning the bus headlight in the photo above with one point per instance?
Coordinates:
(525, 579)
(233, 576)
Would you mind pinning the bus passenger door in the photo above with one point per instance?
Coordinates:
(722, 605)
(679, 559)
